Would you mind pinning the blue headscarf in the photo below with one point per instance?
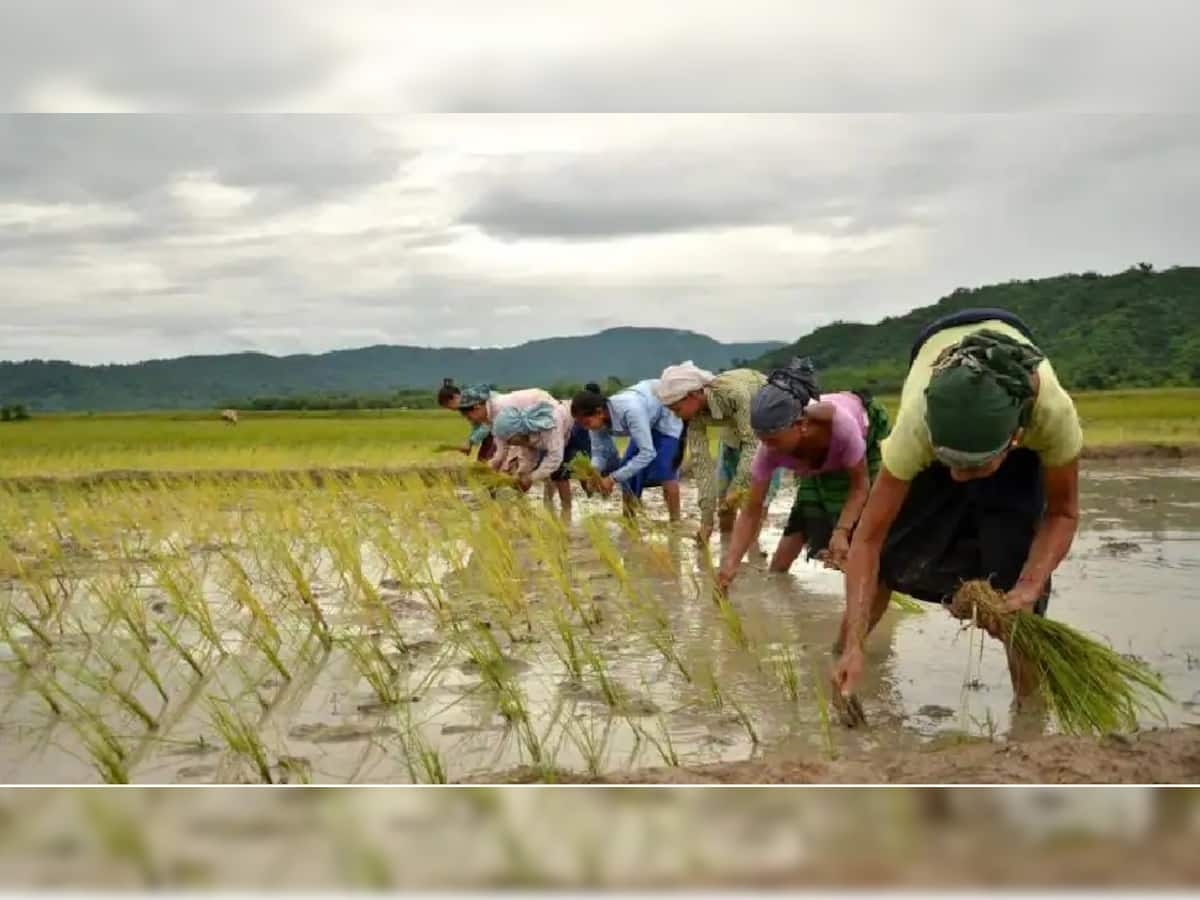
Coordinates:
(511, 421)
(474, 395)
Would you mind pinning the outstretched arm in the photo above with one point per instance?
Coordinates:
(1054, 535)
(862, 572)
(744, 531)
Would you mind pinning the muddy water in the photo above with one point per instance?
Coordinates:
(1130, 579)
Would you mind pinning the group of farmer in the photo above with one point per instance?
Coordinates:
(977, 478)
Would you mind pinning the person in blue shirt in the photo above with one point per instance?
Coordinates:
(655, 449)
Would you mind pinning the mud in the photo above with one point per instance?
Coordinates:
(1155, 757)
(936, 698)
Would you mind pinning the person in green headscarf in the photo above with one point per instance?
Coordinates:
(979, 480)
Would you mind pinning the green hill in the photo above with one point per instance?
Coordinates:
(1139, 328)
(207, 381)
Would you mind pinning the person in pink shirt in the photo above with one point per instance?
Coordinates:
(482, 406)
(831, 442)
(543, 439)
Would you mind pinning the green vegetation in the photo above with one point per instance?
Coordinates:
(1138, 328)
(58, 445)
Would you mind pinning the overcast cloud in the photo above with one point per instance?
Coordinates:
(129, 237)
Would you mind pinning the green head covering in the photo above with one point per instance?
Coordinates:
(979, 396)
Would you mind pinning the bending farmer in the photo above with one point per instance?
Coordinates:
(831, 442)
(702, 399)
(545, 439)
(980, 479)
(655, 442)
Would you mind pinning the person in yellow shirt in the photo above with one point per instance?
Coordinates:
(980, 479)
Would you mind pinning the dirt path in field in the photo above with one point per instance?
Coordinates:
(1153, 757)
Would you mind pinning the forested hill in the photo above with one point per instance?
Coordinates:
(1140, 328)
(206, 381)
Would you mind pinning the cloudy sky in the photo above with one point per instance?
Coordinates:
(472, 176)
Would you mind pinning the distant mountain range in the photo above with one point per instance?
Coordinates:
(1136, 328)
(207, 381)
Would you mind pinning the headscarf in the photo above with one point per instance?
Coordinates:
(512, 421)
(781, 401)
(979, 395)
(679, 381)
(474, 395)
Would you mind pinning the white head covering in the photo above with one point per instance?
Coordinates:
(679, 381)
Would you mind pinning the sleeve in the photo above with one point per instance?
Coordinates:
(479, 434)
(703, 470)
(640, 433)
(761, 467)
(553, 443)
(908, 450)
(604, 451)
(850, 438)
(1054, 431)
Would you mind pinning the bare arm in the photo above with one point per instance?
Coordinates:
(860, 490)
(744, 531)
(862, 572)
(1054, 535)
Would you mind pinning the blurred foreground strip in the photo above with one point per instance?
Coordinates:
(476, 838)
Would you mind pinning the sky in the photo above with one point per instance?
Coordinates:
(287, 177)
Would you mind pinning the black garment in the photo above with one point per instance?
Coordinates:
(949, 532)
(967, 317)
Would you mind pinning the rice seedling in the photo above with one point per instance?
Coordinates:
(241, 737)
(375, 668)
(591, 736)
(109, 756)
(664, 747)
(581, 469)
(425, 765)
(107, 685)
(123, 835)
(261, 632)
(1089, 687)
(823, 717)
(183, 588)
(905, 603)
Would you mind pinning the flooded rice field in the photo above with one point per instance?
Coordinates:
(399, 630)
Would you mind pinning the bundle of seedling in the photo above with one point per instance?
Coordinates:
(1089, 687)
(581, 468)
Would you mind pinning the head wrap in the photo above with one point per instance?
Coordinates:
(679, 381)
(781, 401)
(474, 395)
(979, 395)
(512, 421)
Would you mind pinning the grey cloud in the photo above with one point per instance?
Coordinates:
(679, 186)
(124, 159)
(931, 56)
(219, 54)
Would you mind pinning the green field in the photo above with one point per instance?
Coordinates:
(77, 445)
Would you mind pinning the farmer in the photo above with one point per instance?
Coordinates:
(545, 439)
(980, 480)
(831, 441)
(448, 397)
(701, 399)
(655, 442)
(480, 405)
